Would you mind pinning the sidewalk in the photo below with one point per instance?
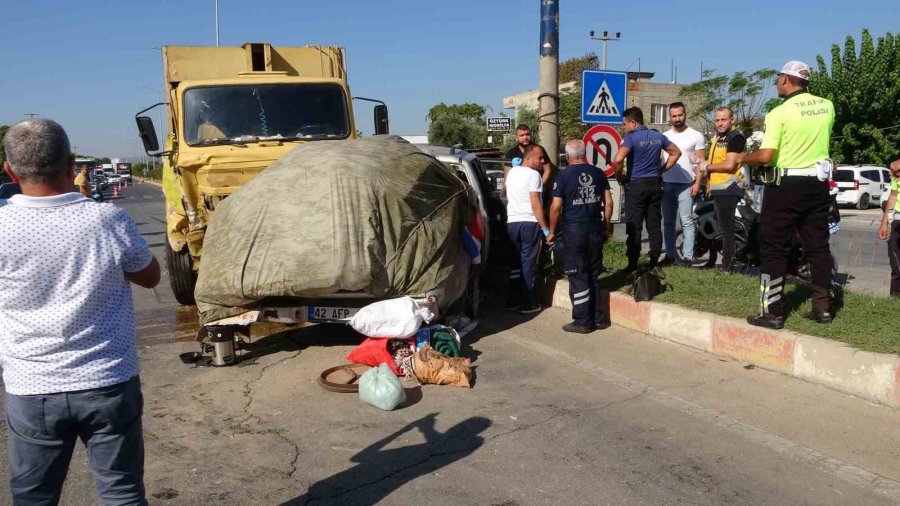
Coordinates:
(871, 376)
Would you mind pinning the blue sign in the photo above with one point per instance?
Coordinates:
(603, 96)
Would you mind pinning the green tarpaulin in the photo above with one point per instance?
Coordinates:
(374, 215)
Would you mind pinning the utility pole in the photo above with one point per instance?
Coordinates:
(548, 98)
(31, 115)
(606, 37)
(217, 23)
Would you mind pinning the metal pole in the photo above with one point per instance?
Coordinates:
(548, 98)
(604, 55)
(217, 23)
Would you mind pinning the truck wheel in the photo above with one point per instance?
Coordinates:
(863, 201)
(182, 277)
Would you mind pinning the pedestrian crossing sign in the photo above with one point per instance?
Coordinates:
(603, 96)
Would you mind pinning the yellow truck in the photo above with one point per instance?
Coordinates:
(230, 113)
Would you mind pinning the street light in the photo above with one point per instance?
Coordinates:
(606, 37)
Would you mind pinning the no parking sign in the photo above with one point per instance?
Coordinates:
(601, 143)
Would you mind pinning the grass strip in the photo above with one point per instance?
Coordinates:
(864, 321)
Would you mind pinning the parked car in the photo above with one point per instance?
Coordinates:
(862, 185)
(495, 169)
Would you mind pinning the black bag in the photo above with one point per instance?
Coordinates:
(648, 283)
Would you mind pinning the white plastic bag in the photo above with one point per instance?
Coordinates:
(381, 388)
(393, 319)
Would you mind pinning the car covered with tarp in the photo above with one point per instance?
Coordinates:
(335, 225)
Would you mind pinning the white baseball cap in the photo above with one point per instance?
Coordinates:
(797, 69)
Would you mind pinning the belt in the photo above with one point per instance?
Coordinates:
(799, 172)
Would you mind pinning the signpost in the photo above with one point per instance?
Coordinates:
(499, 124)
(601, 143)
(603, 96)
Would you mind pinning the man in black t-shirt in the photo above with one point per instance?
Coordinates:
(582, 199)
(523, 139)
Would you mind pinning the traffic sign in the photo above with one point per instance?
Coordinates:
(603, 96)
(499, 124)
(601, 143)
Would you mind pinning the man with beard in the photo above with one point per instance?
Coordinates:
(796, 143)
(523, 140)
(681, 184)
(725, 182)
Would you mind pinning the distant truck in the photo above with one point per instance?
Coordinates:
(230, 113)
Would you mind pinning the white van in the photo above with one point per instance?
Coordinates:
(862, 185)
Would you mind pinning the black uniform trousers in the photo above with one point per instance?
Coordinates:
(894, 256)
(725, 206)
(799, 205)
(582, 263)
(643, 198)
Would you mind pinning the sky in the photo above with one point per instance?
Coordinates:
(91, 65)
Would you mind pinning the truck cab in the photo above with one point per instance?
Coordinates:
(230, 113)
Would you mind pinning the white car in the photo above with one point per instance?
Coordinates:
(113, 178)
(862, 185)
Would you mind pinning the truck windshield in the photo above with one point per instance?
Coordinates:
(246, 113)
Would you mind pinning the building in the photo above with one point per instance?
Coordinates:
(652, 98)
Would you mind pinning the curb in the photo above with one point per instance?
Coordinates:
(865, 374)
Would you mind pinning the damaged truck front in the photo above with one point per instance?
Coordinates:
(230, 113)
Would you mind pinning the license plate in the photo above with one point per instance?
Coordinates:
(330, 314)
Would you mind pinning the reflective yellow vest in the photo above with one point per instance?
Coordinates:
(717, 154)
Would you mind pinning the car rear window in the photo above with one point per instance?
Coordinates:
(844, 176)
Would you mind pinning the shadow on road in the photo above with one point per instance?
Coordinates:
(379, 472)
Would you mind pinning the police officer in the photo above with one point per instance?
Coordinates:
(641, 149)
(795, 143)
(582, 199)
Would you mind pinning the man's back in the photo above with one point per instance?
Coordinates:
(520, 183)
(800, 130)
(582, 187)
(645, 147)
(65, 302)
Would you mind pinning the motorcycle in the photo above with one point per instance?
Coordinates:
(708, 237)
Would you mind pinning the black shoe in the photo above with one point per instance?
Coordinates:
(632, 266)
(530, 309)
(512, 307)
(820, 316)
(769, 322)
(578, 329)
(684, 262)
(602, 326)
(668, 261)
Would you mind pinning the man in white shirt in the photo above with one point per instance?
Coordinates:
(70, 367)
(527, 227)
(681, 184)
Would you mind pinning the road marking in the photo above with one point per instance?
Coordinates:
(844, 470)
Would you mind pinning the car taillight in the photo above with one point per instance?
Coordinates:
(856, 184)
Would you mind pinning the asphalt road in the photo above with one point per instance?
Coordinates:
(609, 418)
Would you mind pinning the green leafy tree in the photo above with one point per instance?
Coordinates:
(865, 90)
(747, 93)
(458, 124)
(3, 129)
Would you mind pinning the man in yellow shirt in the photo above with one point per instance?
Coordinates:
(796, 142)
(81, 181)
(890, 225)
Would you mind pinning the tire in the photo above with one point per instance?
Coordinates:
(863, 201)
(182, 277)
(469, 303)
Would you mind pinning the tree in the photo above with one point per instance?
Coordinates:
(745, 92)
(571, 69)
(865, 90)
(458, 124)
(3, 129)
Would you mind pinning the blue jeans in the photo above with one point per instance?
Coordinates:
(677, 199)
(526, 236)
(42, 430)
